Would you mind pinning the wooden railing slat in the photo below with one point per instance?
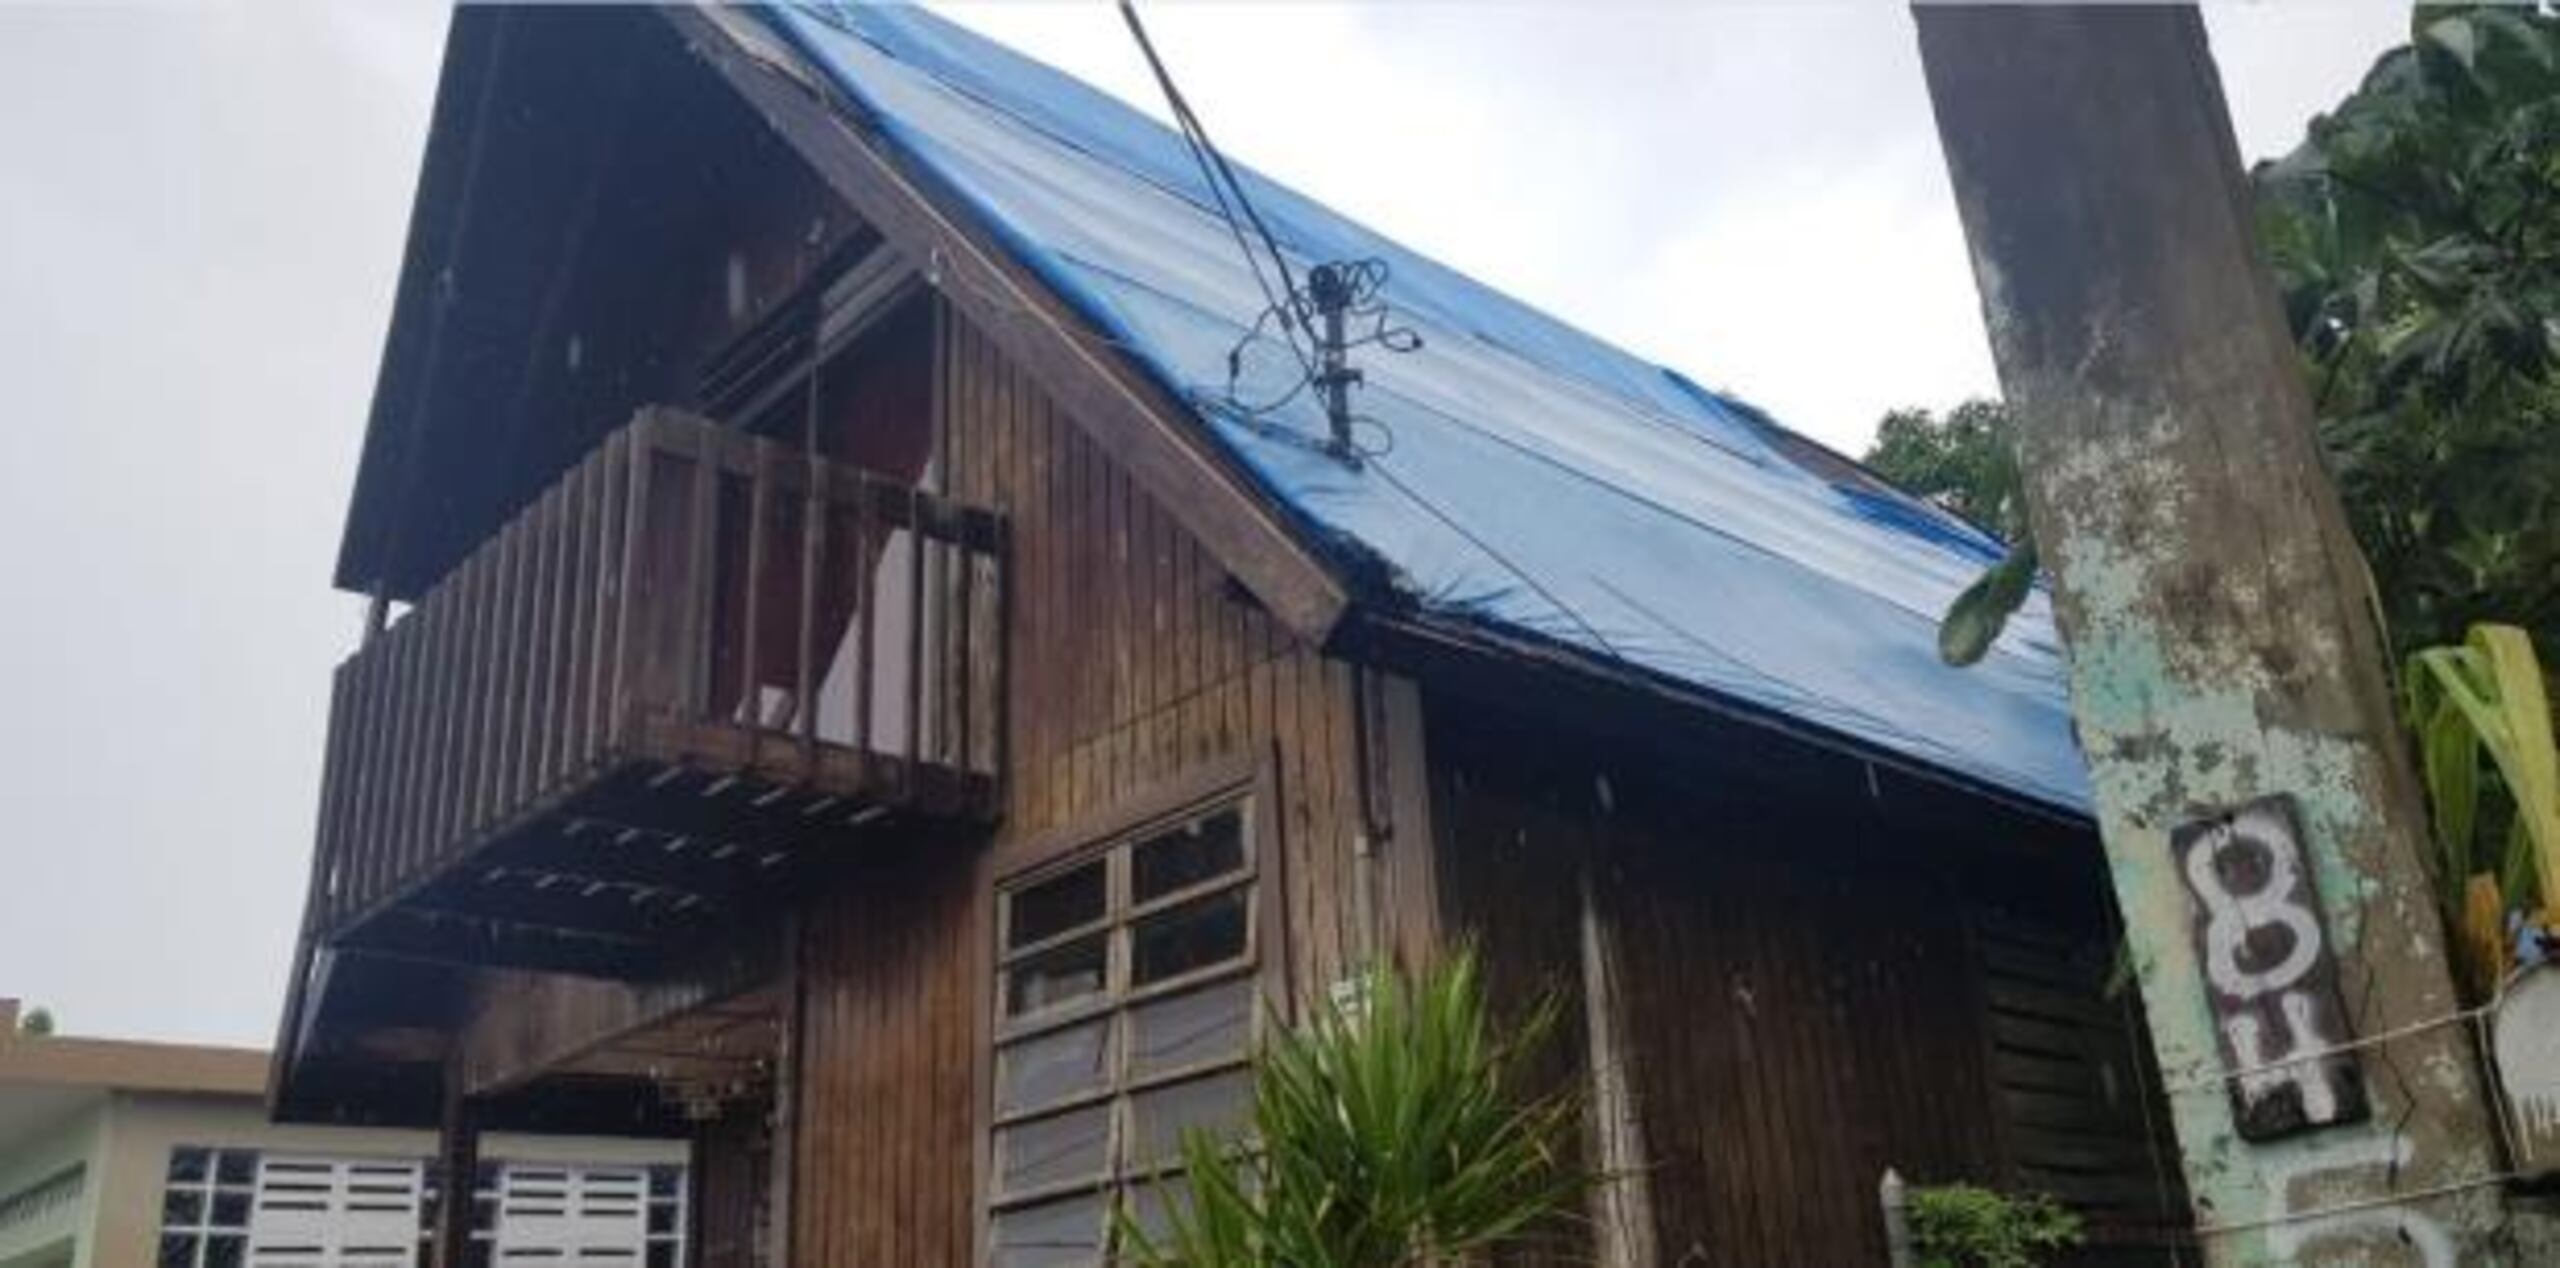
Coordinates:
(760, 504)
(395, 710)
(455, 592)
(502, 673)
(493, 679)
(578, 581)
(386, 828)
(637, 457)
(866, 613)
(693, 693)
(553, 635)
(524, 760)
(814, 514)
(484, 670)
(564, 626)
(433, 621)
(409, 639)
(331, 839)
(367, 825)
(915, 640)
(1001, 551)
(604, 471)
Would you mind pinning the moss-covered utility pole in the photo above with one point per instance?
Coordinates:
(2262, 823)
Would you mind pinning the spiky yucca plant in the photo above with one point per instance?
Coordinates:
(1401, 1130)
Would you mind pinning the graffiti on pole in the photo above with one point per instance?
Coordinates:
(2269, 971)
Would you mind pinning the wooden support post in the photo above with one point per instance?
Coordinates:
(780, 1190)
(457, 1170)
(1622, 1231)
(2223, 648)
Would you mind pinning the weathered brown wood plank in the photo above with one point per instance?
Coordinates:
(568, 754)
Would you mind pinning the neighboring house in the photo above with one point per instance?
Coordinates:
(844, 663)
(121, 1154)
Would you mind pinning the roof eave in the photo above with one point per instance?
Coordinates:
(1432, 645)
(387, 468)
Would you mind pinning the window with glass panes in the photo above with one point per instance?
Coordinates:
(1126, 1003)
(205, 1205)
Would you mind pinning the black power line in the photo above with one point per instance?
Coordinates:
(1337, 294)
(1221, 179)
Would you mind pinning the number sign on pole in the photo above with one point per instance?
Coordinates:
(2269, 971)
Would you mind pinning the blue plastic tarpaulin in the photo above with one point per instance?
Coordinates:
(1521, 473)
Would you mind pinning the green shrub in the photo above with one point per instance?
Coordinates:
(1403, 1129)
(1967, 1226)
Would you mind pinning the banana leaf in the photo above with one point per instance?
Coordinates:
(2494, 685)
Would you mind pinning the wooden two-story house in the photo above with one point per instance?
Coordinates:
(883, 657)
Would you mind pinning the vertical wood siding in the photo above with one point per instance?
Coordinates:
(1803, 1001)
(1133, 663)
(889, 1031)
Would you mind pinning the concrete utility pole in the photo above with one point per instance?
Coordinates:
(2263, 825)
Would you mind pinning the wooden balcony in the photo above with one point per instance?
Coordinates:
(698, 665)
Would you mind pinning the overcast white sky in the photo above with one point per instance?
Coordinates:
(201, 217)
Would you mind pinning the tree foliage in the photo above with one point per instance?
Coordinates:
(38, 1022)
(2415, 241)
(2415, 238)
(1962, 462)
(1966, 463)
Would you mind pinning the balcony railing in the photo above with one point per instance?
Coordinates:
(698, 663)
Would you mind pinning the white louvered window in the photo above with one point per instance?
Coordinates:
(336, 1213)
(525, 1213)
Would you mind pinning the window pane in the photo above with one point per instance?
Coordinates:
(1191, 1027)
(1053, 1067)
(1071, 972)
(181, 1208)
(1048, 1151)
(1056, 905)
(1051, 1235)
(1193, 935)
(177, 1250)
(1159, 1117)
(1150, 1203)
(1188, 855)
(236, 1167)
(230, 1210)
(665, 1182)
(188, 1164)
(223, 1250)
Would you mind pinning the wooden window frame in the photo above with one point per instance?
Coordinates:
(1112, 835)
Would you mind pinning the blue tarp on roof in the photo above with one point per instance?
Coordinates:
(1531, 476)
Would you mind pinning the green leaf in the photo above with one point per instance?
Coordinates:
(2488, 698)
(1405, 1131)
(2456, 37)
(1974, 621)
